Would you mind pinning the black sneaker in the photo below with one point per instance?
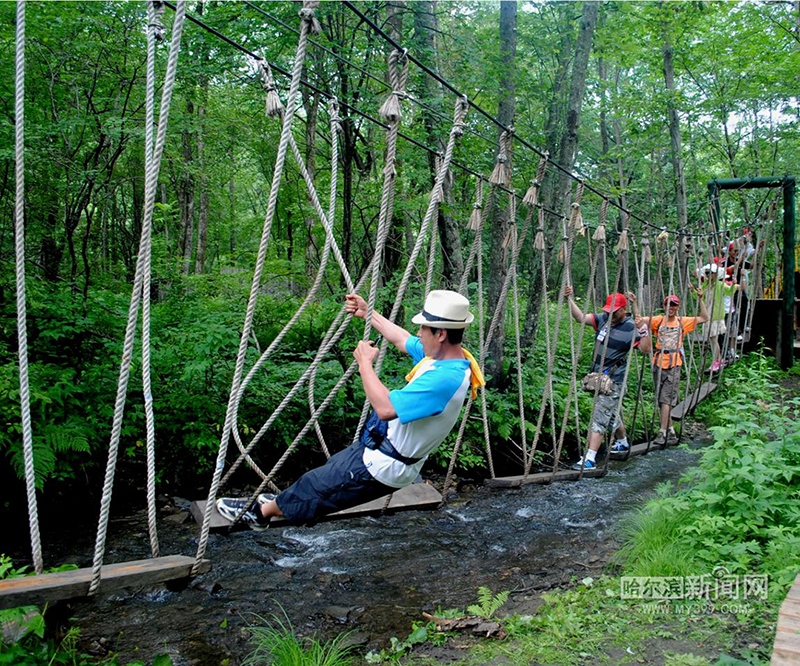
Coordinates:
(230, 507)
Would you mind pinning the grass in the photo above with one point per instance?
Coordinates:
(276, 643)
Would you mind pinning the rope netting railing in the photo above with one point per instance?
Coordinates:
(391, 113)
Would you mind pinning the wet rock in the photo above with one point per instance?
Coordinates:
(210, 586)
(337, 613)
(356, 639)
(181, 503)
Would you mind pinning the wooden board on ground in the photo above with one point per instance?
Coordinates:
(787, 637)
(416, 497)
(544, 477)
(62, 585)
(690, 402)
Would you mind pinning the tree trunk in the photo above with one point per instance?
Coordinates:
(557, 185)
(674, 129)
(426, 27)
(555, 114)
(202, 213)
(569, 139)
(311, 106)
(500, 223)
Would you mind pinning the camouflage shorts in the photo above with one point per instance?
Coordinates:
(605, 417)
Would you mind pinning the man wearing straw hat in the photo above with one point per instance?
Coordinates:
(406, 425)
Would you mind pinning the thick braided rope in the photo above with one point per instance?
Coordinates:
(336, 129)
(696, 356)
(337, 254)
(333, 334)
(430, 273)
(398, 75)
(22, 326)
(335, 331)
(640, 276)
(629, 359)
(518, 353)
(147, 390)
(461, 108)
(550, 350)
(654, 298)
(306, 24)
(683, 280)
(312, 292)
(499, 306)
(482, 349)
(568, 240)
(133, 311)
(547, 391)
(474, 252)
(480, 214)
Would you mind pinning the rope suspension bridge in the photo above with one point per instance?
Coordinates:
(648, 261)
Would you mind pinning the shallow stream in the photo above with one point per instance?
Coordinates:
(373, 576)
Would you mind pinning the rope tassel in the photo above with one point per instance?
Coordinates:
(274, 106)
(647, 254)
(390, 110)
(663, 237)
(501, 175)
(531, 197)
(600, 234)
(475, 218)
(577, 218)
(622, 244)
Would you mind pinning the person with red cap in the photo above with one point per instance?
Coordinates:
(668, 332)
(616, 334)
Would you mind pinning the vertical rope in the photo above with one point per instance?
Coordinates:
(306, 24)
(336, 129)
(19, 248)
(147, 390)
(133, 311)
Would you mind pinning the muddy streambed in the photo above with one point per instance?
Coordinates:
(373, 576)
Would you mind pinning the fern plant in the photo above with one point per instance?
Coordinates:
(488, 604)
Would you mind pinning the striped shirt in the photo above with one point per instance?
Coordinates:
(619, 344)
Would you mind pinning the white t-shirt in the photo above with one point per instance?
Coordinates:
(427, 409)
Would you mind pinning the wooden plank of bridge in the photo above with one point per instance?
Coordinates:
(690, 402)
(786, 649)
(544, 477)
(636, 450)
(62, 585)
(416, 497)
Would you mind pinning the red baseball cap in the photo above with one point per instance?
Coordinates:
(615, 302)
(672, 298)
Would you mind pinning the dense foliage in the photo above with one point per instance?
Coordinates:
(84, 196)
